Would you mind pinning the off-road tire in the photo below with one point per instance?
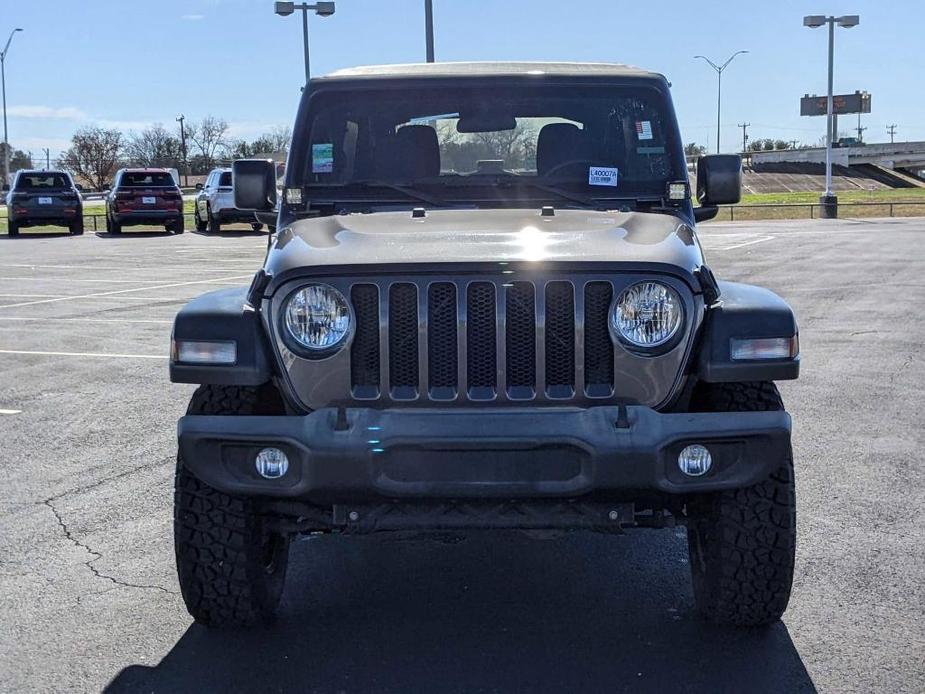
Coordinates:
(214, 225)
(200, 225)
(742, 541)
(176, 226)
(12, 228)
(257, 226)
(231, 567)
(112, 226)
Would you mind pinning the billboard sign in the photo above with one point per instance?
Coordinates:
(859, 102)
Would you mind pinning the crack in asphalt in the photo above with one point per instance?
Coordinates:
(96, 555)
(49, 502)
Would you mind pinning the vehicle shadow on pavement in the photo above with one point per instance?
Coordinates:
(501, 613)
(230, 233)
(132, 234)
(25, 235)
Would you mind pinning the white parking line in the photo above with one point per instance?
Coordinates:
(126, 291)
(10, 411)
(86, 320)
(84, 354)
(747, 243)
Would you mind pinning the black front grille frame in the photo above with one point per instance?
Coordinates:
(528, 339)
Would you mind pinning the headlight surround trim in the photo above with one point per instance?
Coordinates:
(323, 351)
(676, 320)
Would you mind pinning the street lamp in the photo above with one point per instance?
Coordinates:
(719, 86)
(322, 9)
(828, 200)
(6, 142)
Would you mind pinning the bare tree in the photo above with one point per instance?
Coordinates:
(209, 137)
(153, 146)
(279, 137)
(94, 155)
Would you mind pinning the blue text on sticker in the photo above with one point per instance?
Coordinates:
(602, 176)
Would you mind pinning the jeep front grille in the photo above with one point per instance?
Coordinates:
(482, 340)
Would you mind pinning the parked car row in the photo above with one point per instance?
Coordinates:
(139, 196)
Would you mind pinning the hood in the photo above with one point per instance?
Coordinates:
(484, 236)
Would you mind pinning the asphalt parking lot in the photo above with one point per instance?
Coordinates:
(88, 594)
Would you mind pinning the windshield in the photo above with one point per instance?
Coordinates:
(43, 181)
(599, 142)
(146, 179)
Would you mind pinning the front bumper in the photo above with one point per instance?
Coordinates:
(358, 455)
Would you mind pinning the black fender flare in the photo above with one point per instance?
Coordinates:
(224, 315)
(745, 311)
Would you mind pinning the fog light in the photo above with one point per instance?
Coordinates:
(695, 460)
(272, 463)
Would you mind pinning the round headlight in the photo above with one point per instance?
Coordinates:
(317, 317)
(647, 314)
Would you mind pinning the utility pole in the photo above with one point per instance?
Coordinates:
(860, 129)
(47, 157)
(744, 127)
(891, 129)
(429, 29)
(793, 144)
(180, 120)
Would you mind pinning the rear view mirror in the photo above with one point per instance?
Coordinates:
(719, 179)
(254, 182)
(485, 122)
(198, 186)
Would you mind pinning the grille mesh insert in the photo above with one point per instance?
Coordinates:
(441, 335)
(364, 353)
(560, 339)
(481, 355)
(598, 344)
(403, 338)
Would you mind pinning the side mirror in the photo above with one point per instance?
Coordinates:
(79, 187)
(254, 182)
(198, 186)
(6, 187)
(719, 179)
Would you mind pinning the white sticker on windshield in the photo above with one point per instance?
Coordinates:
(644, 129)
(323, 158)
(602, 176)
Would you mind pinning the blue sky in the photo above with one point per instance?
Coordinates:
(127, 63)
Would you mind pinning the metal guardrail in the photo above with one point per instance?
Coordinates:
(812, 209)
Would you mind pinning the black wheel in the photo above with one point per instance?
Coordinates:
(177, 226)
(214, 226)
(231, 567)
(742, 541)
(200, 225)
(12, 228)
(257, 226)
(77, 227)
(112, 226)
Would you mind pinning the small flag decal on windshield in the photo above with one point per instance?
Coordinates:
(644, 129)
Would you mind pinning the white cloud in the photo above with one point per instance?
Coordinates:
(62, 112)
(193, 17)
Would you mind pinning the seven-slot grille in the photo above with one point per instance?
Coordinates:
(482, 340)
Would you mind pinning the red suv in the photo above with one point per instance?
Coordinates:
(144, 196)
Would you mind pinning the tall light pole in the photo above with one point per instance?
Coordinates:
(719, 86)
(322, 9)
(828, 200)
(6, 141)
(429, 29)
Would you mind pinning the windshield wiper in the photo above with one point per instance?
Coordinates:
(406, 190)
(555, 190)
